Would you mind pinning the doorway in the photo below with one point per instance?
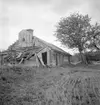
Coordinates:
(44, 57)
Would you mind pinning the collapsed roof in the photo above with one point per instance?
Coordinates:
(35, 39)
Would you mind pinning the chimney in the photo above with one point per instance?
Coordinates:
(30, 31)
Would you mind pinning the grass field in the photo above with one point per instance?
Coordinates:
(66, 85)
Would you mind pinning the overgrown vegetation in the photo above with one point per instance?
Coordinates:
(33, 86)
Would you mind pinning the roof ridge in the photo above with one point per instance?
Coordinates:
(52, 45)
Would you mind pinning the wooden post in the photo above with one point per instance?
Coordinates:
(69, 59)
(1, 57)
(48, 57)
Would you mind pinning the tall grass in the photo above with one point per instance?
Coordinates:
(30, 86)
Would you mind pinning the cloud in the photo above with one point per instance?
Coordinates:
(62, 6)
(59, 7)
(27, 2)
(65, 7)
(4, 19)
(94, 9)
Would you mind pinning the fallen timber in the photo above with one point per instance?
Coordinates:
(18, 56)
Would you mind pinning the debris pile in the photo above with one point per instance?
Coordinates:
(20, 55)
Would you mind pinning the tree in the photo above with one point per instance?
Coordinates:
(73, 31)
(94, 40)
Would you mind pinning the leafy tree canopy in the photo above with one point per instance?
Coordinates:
(94, 40)
(73, 31)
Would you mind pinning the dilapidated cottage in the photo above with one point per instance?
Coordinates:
(30, 50)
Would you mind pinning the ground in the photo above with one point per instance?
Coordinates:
(66, 85)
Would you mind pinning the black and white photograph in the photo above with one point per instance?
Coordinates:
(49, 52)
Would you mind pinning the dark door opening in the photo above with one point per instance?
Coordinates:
(44, 57)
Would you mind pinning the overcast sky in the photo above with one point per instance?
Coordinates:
(40, 15)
